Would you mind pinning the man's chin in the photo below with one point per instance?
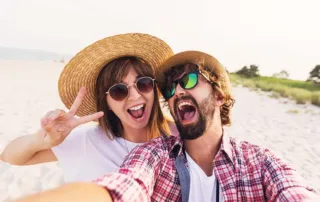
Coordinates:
(191, 130)
(188, 131)
(194, 136)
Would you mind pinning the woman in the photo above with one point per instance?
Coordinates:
(116, 80)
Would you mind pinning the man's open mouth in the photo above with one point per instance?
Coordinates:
(137, 111)
(187, 112)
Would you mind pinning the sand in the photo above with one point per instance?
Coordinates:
(29, 89)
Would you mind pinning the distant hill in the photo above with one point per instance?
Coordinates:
(7, 53)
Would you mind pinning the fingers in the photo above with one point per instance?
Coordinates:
(46, 125)
(47, 120)
(77, 102)
(55, 114)
(88, 118)
(44, 121)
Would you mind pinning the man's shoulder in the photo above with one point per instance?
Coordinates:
(250, 153)
(245, 146)
(255, 156)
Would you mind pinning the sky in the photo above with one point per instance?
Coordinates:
(273, 34)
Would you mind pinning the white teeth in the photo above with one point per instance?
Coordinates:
(136, 107)
(183, 103)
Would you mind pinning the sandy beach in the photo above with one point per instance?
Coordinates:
(29, 89)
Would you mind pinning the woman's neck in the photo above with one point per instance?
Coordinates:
(136, 135)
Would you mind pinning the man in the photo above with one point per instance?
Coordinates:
(203, 164)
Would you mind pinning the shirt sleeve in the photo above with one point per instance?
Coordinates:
(71, 147)
(137, 176)
(282, 182)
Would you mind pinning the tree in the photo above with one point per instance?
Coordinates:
(315, 74)
(283, 74)
(253, 71)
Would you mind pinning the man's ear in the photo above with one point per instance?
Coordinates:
(219, 99)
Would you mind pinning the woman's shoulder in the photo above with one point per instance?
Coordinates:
(75, 143)
(85, 132)
(86, 129)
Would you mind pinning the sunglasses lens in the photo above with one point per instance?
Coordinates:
(145, 85)
(169, 91)
(189, 81)
(118, 92)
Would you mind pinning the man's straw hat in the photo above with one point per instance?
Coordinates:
(208, 62)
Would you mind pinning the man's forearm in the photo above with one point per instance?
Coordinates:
(74, 192)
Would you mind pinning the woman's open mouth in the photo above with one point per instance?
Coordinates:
(137, 111)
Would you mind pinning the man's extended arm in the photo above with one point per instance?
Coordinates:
(133, 182)
(282, 182)
(74, 192)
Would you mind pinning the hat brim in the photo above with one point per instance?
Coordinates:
(84, 68)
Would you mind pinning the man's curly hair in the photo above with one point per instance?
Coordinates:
(218, 84)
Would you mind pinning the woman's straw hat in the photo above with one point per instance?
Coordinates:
(83, 69)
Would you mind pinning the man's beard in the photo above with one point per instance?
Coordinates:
(205, 112)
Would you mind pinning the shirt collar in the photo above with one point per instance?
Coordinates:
(225, 146)
(177, 146)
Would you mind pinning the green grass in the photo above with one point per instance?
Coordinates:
(289, 83)
(275, 95)
(302, 92)
(315, 98)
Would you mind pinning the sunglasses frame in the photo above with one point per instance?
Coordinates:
(133, 84)
(197, 72)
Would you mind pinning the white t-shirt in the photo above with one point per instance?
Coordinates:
(202, 187)
(88, 154)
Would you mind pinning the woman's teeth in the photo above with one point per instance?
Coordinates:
(136, 108)
(137, 111)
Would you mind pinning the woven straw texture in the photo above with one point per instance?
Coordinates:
(84, 68)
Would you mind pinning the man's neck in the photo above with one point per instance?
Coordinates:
(204, 149)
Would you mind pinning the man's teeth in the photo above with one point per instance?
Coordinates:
(136, 107)
(183, 104)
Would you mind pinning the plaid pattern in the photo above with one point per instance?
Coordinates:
(245, 173)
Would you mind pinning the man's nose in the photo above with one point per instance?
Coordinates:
(179, 90)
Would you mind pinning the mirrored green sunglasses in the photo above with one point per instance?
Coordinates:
(187, 81)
